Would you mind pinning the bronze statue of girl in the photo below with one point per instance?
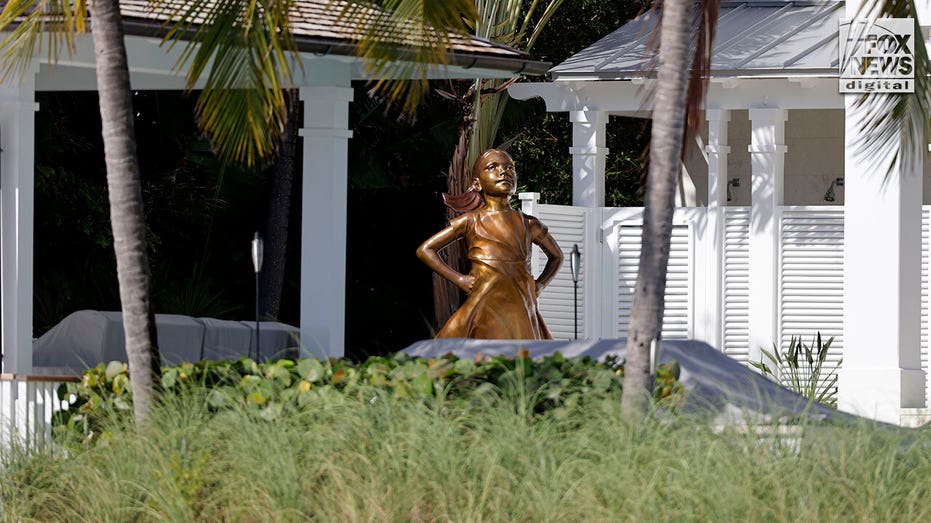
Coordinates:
(502, 294)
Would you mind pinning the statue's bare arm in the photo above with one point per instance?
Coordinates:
(428, 253)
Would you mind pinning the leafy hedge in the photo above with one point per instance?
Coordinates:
(553, 384)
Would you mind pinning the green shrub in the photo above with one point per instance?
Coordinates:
(553, 384)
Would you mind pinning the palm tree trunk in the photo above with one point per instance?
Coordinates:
(659, 202)
(279, 209)
(126, 213)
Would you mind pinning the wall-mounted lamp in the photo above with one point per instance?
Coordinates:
(733, 182)
(829, 195)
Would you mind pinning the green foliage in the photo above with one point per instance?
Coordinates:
(554, 384)
(804, 369)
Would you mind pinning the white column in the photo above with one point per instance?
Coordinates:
(588, 157)
(767, 161)
(712, 318)
(17, 143)
(323, 219)
(882, 278)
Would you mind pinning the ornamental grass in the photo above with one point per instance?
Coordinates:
(376, 457)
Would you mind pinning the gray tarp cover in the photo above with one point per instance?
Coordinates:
(713, 381)
(86, 338)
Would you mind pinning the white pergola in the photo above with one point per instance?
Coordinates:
(770, 58)
(327, 68)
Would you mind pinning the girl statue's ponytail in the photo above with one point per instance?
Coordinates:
(465, 202)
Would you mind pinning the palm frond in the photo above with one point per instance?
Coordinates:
(37, 26)
(406, 39)
(245, 48)
(891, 121)
(501, 21)
(541, 23)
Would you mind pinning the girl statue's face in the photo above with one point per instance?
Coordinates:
(496, 174)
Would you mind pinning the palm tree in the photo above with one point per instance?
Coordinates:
(677, 97)
(244, 47)
(126, 214)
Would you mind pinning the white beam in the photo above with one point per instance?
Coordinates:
(767, 162)
(588, 158)
(323, 221)
(72, 78)
(630, 96)
(557, 96)
(17, 142)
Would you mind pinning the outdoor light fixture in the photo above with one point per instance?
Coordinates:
(257, 254)
(575, 265)
(733, 182)
(829, 195)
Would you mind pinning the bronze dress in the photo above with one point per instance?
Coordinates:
(503, 303)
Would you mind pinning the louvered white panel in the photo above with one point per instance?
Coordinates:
(812, 276)
(925, 311)
(678, 297)
(736, 294)
(567, 226)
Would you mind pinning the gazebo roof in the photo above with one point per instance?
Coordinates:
(754, 38)
(318, 28)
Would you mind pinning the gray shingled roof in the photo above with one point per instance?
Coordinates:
(317, 28)
(754, 38)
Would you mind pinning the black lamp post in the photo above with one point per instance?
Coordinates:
(575, 264)
(257, 252)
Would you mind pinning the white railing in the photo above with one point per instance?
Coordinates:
(27, 404)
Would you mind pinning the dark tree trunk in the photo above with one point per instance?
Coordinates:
(126, 214)
(446, 296)
(279, 208)
(669, 114)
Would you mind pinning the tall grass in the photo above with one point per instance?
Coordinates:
(375, 459)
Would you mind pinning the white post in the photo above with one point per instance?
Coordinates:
(588, 157)
(323, 220)
(717, 150)
(17, 143)
(767, 161)
(593, 281)
(881, 372)
(528, 203)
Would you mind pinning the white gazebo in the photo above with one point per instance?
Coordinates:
(328, 65)
(785, 227)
